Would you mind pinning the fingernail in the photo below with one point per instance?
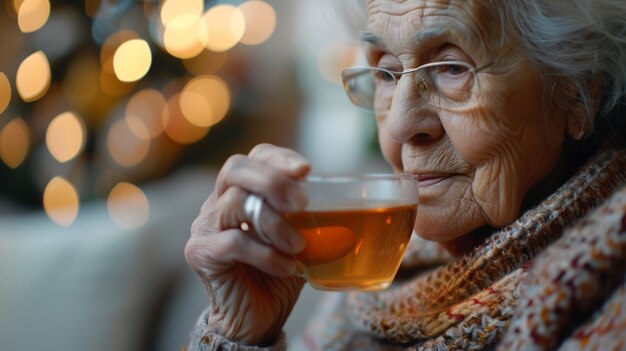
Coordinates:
(297, 242)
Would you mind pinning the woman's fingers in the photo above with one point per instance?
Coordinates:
(282, 158)
(214, 254)
(278, 189)
(228, 212)
(270, 173)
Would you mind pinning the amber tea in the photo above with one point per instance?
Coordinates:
(355, 246)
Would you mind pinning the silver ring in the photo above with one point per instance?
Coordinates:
(252, 210)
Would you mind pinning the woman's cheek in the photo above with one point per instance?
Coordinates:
(496, 190)
(473, 144)
(494, 185)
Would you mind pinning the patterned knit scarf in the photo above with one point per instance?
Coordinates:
(536, 280)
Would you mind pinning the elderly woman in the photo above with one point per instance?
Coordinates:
(509, 114)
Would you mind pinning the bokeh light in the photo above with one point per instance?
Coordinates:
(110, 45)
(260, 21)
(33, 77)
(171, 9)
(126, 148)
(222, 27)
(177, 127)
(132, 60)
(143, 113)
(181, 27)
(16, 5)
(181, 36)
(5, 92)
(116, 91)
(32, 15)
(65, 136)
(205, 100)
(128, 206)
(14, 142)
(61, 201)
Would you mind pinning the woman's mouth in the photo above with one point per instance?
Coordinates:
(428, 179)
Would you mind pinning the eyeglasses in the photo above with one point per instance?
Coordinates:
(447, 85)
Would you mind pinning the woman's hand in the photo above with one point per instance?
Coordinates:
(251, 285)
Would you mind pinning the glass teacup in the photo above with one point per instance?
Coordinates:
(357, 229)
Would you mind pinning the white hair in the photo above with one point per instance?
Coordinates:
(573, 42)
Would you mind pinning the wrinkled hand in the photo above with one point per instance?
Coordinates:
(251, 285)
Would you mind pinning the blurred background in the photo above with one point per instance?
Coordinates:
(114, 117)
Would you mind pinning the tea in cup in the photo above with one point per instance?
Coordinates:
(357, 229)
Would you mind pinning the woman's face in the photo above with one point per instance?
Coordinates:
(476, 164)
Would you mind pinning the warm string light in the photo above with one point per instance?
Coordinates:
(110, 46)
(33, 77)
(61, 201)
(222, 27)
(205, 100)
(125, 148)
(132, 60)
(14, 142)
(143, 113)
(5, 92)
(32, 15)
(199, 37)
(187, 31)
(171, 9)
(181, 36)
(128, 206)
(260, 20)
(181, 27)
(65, 136)
(16, 5)
(177, 127)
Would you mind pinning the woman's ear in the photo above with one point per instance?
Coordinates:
(582, 117)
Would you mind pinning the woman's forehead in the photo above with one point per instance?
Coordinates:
(410, 23)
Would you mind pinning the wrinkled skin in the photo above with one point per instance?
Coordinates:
(487, 157)
(485, 161)
(251, 286)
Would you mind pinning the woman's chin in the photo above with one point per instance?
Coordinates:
(431, 225)
(458, 238)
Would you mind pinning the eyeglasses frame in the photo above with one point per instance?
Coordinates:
(421, 84)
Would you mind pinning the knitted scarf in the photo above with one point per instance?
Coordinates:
(553, 278)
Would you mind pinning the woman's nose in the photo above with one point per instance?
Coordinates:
(410, 119)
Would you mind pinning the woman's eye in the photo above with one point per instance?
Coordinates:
(383, 76)
(453, 69)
